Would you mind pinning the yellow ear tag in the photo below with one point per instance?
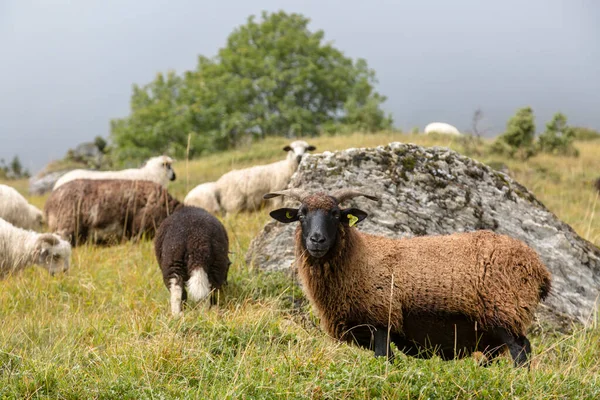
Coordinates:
(288, 215)
(353, 220)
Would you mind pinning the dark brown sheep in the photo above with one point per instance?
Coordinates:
(597, 184)
(446, 295)
(108, 211)
(192, 247)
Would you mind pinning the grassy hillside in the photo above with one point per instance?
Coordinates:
(104, 331)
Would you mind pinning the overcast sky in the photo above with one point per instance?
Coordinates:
(66, 67)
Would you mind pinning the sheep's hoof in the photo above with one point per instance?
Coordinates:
(382, 346)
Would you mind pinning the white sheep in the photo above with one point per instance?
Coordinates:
(15, 209)
(20, 248)
(242, 189)
(443, 128)
(157, 169)
(204, 196)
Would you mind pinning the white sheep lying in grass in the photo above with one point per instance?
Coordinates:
(443, 128)
(243, 189)
(20, 248)
(157, 169)
(204, 196)
(15, 209)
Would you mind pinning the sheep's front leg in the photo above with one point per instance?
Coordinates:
(176, 290)
(382, 345)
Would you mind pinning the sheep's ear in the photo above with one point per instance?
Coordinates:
(287, 148)
(285, 215)
(311, 148)
(48, 239)
(352, 216)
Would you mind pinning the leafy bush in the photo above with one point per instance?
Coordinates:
(558, 137)
(14, 170)
(581, 133)
(518, 140)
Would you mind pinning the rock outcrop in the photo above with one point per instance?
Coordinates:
(85, 156)
(430, 191)
(43, 183)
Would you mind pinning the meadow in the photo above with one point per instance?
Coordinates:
(104, 331)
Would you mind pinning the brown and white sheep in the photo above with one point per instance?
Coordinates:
(192, 247)
(447, 295)
(14, 208)
(20, 248)
(243, 189)
(108, 211)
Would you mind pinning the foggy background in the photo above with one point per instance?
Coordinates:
(66, 68)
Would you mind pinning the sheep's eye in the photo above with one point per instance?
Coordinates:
(336, 214)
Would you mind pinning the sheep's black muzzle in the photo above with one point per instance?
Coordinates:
(319, 232)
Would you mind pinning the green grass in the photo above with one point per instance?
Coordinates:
(104, 330)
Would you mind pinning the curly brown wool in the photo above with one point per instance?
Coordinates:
(451, 294)
(108, 211)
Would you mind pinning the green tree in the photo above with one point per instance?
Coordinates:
(156, 124)
(583, 133)
(3, 169)
(558, 137)
(273, 77)
(518, 139)
(16, 166)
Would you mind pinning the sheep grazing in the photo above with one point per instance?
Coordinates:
(108, 211)
(15, 209)
(204, 196)
(447, 295)
(156, 169)
(441, 127)
(20, 248)
(191, 247)
(243, 189)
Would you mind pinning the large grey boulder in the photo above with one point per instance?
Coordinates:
(429, 191)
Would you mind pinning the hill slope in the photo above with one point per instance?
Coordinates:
(103, 330)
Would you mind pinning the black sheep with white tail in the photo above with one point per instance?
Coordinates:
(192, 247)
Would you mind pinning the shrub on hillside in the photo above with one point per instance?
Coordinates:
(13, 170)
(518, 140)
(558, 137)
(582, 133)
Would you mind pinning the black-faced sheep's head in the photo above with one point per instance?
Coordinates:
(53, 253)
(298, 148)
(163, 162)
(320, 216)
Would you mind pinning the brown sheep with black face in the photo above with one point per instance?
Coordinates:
(108, 211)
(192, 247)
(446, 295)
